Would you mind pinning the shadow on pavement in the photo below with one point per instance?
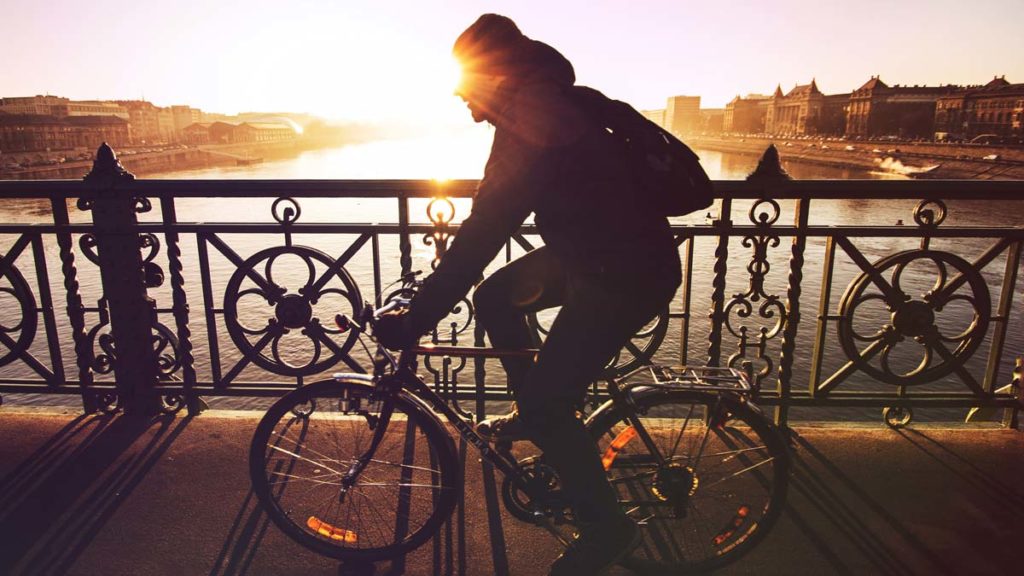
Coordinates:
(61, 496)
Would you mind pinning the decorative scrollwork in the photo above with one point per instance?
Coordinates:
(171, 403)
(108, 401)
(165, 349)
(277, 310)
(897, 315)
(441, 212)
(764, 212)
(88, 243)
(142, 204)
(18, 319)
(150, 241)
(930, 213)
(742, 306)
(291, 212)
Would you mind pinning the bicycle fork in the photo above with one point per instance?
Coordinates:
(350, 477)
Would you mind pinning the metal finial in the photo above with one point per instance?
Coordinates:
(106, 165)
(770, 166)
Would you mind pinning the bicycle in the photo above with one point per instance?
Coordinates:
(363, 468)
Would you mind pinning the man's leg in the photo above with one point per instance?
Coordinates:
(528, 284)
(592, 326)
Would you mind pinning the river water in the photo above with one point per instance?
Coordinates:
(462, 156)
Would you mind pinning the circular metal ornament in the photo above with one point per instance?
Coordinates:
(108, 402)
(930, 213)
(287, 306)
(914, 318)
(20, 319)
(171, 403)
(897, 416)
(291, 212)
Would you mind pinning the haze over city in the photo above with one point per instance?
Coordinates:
(373, 61)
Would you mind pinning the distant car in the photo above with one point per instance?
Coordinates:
(850, 148)
(12, 166)
(986, 139)
(992, 157)
(825, 147)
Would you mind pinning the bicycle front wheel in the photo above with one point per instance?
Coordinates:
(707, 484)
(305, 447)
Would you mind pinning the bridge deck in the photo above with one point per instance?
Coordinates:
(94, 495)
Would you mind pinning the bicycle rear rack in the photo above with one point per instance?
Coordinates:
(706, 378)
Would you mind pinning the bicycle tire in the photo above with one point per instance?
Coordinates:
(307, 440)
(707, 507)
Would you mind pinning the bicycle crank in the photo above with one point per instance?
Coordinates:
(542, 500)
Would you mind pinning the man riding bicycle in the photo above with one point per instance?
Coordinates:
(609, 261)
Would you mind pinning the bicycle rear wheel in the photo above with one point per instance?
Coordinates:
(308, 441)
(719, 489)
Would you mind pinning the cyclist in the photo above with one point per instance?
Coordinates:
(608, 261)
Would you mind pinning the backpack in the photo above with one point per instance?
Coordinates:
(665, 170)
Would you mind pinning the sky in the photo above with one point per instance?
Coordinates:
(389, 60)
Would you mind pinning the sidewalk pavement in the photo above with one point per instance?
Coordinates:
(98, 495)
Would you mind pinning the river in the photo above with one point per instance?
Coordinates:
(463, 156)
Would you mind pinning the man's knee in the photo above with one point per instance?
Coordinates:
(488, 300)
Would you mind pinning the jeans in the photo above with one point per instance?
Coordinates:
(600, 311)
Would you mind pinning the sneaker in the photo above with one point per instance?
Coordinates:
(597, 547)
(505, 428)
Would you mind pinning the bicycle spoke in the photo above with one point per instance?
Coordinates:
(739, 472)
(686, 423)
(303, 458)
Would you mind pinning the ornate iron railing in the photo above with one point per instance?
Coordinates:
(925, 319)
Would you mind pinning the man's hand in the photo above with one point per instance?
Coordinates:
(394, 330)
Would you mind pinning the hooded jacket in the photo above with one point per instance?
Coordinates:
(549, 159)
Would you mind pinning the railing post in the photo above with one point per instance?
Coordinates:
(132, 312)
(1017, 386)
(717, 314)
(404, 245)
(770, 171)
(76, 313)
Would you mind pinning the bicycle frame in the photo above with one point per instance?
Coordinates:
(404, 378)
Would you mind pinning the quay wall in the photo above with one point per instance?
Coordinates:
(142, 163)
(955, 161)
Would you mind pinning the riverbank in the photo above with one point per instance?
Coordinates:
(914, 159)
(142, 162)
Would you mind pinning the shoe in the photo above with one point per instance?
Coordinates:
(505, 428)
(597, 547)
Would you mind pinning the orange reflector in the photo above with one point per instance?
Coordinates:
(616, 446)
(326, 530)
(737, 521)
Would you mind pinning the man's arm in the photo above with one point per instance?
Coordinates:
(516, 172)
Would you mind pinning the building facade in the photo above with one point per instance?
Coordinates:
(682, 115)
(144, 119)
(46, 133)
(876, 109)
(746, 115)
(96, 108)
(35, 105)
(992, 111)
(656, 116)
(805, 110)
